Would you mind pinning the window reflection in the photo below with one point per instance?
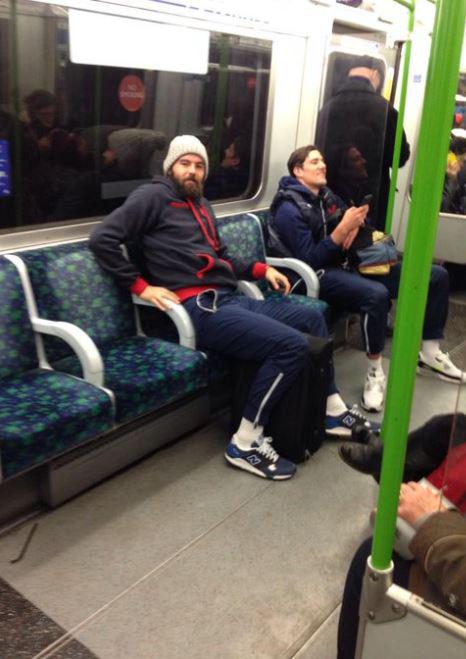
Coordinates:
(76, 139)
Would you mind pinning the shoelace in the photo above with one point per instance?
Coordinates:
(357, 414)
(267, 450)
(443, 357)
(376, 379)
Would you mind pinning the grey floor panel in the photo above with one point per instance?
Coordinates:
(87, 551)
(267, 576)
(323, 644)
(186, 557)
(431, 395)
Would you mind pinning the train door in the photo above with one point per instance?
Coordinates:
(356, 128)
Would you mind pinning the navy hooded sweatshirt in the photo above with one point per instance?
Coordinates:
(305, 229)
(176, 239)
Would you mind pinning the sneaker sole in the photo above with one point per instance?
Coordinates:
(427, 371)
(338, 432)
(372, 409)
(239, 463)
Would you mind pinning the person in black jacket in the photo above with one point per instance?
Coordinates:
(186, 263)
(358, 115)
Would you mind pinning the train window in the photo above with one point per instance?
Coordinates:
(454, 190)
(338, 65)
(77, 138)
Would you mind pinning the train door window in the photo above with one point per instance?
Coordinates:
(356, 126)
(76, 138)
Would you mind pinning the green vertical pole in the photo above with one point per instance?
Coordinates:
(401, 113)
(442, 80)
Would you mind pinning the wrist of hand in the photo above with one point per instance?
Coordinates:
(338, 236)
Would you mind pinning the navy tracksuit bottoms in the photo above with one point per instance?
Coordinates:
(370, 297)
(268, 331)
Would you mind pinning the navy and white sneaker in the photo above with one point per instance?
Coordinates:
(261, 459)
(341, 426)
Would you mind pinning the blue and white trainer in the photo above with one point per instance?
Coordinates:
(342, 425)
(261, 459)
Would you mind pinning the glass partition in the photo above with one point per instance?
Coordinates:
(356, 127)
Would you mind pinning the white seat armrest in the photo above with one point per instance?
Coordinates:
(307, 274)
(82, 344)
(249, 289)
(180, 318)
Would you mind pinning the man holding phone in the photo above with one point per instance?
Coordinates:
(315, 226)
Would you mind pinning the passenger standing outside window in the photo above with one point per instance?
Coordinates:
(357, 114)
(187, 264)
(302, 215)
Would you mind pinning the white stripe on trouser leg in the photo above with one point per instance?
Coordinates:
(366, 334)
(273, 386)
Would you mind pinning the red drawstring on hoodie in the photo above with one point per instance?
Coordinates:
(209, 231)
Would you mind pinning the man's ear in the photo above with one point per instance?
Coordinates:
(297, 169)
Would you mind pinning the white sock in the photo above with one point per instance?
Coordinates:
(375, 366)
(335, 405)
(246, 434)
(429, 349)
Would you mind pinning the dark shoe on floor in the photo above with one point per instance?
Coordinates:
(365, 458)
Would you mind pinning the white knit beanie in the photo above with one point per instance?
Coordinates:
(180, 146)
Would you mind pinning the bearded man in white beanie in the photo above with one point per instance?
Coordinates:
(186, 263)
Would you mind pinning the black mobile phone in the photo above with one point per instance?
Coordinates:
(366, 200)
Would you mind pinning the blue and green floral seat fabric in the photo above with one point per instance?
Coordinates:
(299, 299)
(17, 346)
(69, 285)
(44, 413)
(157, 323)
(243, 236)
(146, 374)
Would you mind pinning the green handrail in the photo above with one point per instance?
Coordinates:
(442, 80)
(401, 114)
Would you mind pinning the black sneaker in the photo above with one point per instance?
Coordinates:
(261, 459)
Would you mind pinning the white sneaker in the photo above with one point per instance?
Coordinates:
(374, 391)
(440, 366)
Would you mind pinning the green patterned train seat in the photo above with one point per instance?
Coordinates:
(145, 373)
(42, 412)
(157, 323)
(332, 315)
(243, 236)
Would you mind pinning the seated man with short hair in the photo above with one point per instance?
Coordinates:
(303, 212)
(187, 264)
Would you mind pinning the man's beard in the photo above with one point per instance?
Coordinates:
(189, 188)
